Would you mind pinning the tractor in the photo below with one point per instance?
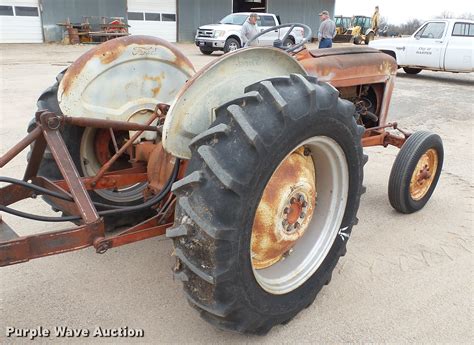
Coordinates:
(359, 31)
(252, 166)
(342, 24)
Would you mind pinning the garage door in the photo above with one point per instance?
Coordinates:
(20, 22)
(153, 17)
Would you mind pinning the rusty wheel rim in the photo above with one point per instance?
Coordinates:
(92, 159)
(424, 174)
(299, 215)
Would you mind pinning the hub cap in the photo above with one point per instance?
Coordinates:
(424, 174)
(299, 215)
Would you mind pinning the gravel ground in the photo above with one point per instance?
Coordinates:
(405, 278)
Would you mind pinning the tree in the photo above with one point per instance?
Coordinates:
(445, 15)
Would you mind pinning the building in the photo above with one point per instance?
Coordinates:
(35, 21)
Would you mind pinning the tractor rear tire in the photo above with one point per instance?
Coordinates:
(408, 189)
(231, 165)
(72, 136)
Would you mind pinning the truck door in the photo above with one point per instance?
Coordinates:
(460, 49)
(426, 48)
(265, 22)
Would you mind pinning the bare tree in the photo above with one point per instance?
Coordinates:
(467, 15)
(445, 15)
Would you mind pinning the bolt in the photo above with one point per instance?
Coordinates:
(284, 223)
(302, 215)
(292, 200)
(297, 225)
(307, 151)
(289, 228)
(102, 248)
(304, 204)
(300, 198)
(53, 122)
(286, 210)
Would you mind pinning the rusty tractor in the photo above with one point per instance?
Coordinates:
(252, 166)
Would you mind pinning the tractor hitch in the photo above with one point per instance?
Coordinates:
(72, 195)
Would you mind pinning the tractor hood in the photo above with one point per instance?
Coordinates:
(348, 66)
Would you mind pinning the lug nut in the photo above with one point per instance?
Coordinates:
(284, 223)
(302, 215)
(307, 151)
(300, 198)
(297, 225)
(286, 210)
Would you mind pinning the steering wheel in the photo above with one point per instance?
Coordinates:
(307, 30)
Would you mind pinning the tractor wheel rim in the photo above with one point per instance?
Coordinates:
(91, 163)
(283, 256)
(424, 174)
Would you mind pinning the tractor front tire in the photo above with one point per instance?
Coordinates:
(369, 37)
(357, 40)
(415, 172)
(223, 199)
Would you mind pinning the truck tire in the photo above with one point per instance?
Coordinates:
(230, 184)
(409, 70)
(415, 172)
(206, 51)
(74, 137)
(231, 44)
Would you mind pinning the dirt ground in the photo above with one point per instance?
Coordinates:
(405, 278)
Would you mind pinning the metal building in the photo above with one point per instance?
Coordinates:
(193, 13)
(33, 21)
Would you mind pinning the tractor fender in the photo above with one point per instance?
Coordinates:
(369, 31)
(124, 79)
(221, 81)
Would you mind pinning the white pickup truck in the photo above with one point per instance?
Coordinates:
(226, 35)
(438, 45)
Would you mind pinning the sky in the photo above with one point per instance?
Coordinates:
(400, 11)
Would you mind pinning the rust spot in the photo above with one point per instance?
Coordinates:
(157, 80)
(109, 51)
(282, 217)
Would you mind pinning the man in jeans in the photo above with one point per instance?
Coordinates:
(327, 30)
(249, 29)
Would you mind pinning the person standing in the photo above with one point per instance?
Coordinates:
(376, 20)
(249, 29)
(327, 30)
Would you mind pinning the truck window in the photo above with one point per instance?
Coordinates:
(463, 29)
(267, 21)
(431, 30)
